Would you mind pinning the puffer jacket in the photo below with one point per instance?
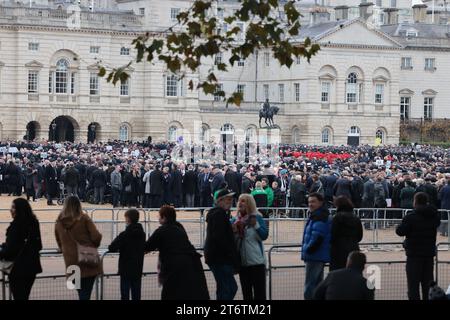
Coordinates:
(317, 236)
(251, 247)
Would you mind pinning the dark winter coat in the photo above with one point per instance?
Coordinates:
(346, 233)
(343, 187)
(181, 271)
(51, 183)
(71, 178)
(176, 183)
(444, 195)
(99, 178)
(407, 197)
(156, 182)
(130, 244)
(246, 185)
(420, 228)
(190, 182)
(232, 180)
(217, 181)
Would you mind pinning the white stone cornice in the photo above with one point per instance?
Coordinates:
(34, 64)
(406, 91)
(380, 79)
(327, 76)
(429, 92)
(53, 29)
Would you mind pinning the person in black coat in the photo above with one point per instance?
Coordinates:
(130, 244)
(51, 184)
(328, 187)
(357, 190)
(204, 187)
(12, 178)
(420, 229)
(343, 187)
(217, 180)
(181, 271)
(22, 246)
(247, 183)
(156, 187)
(232, 180)
(176, 186)
(190, 186)
(99, 183)
(71, 180)
(346, 233)
(346, 284)
(167, 187)
(30, 175)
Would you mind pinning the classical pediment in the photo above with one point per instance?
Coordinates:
(327, 76)
(34, 64)
(380, 79)
(93, 67)
(429, 92)
(406, 91)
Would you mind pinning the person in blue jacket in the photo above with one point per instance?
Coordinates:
(316, 243)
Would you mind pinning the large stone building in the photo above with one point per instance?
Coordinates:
(351, 92)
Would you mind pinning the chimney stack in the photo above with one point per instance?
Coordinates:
(419, 13)
(365, 10)
(392, 15)
(319, 15)
(341, 13)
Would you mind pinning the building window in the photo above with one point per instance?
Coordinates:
(379, 93)
(174, 13)
(61, 76)
(241, 62)
(428, 108)
(297, 92)
(217, 97)
(250, 134)
(124, 51)
(204, 134)
(326, 136)
(172, 134)
(93, 84)
(281, 92)
(240, 34)
(171, 86)
(33, 46)
(123, 133)
(241, 90)
(411, 34)
(354, 131)
(378, 3)
(50, 81)
(430, 64)
(72, 82)
(266, 92)
(407, 63)
(218, 58)
(352, 88)
(393, 3)
(125, 88)
(296, 135)
(266, 59)
(33, 81)
(220, 13)
(405, 103)
(142, 11)
(380, 135)
(298, 59)
(325, 95)
(94, 49)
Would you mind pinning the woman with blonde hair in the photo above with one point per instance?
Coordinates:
(74, 230)
(250, 231)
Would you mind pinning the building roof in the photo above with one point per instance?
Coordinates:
(420, 35)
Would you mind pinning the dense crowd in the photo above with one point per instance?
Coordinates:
(146, 175)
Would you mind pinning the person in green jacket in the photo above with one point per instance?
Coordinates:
(407, 195)
(268, 190)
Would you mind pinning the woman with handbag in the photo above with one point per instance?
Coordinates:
(19, 255)
(78, 239)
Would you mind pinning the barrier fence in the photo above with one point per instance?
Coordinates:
(285, 281)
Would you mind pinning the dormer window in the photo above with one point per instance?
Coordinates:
(411, 34)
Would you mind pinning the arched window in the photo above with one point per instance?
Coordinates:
(352, 88)
(296, 136)
(380, 135)
(250, 134)
(61, 76)
(326, 136)
(124, 132)
(172, 134)
(204, 134)
(227, 129)
(354, 131)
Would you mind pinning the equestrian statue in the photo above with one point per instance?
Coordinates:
(267, 112)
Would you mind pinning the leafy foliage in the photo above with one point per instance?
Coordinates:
(199, 35)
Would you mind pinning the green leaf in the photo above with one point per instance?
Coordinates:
(102, 72)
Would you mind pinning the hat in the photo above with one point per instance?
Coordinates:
(224, 193)
(284, 171)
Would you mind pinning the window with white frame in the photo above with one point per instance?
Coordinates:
(266, 91)
(379, 93)
(241, 90)
(50, 81)
(33, 77)
(380, 135)
(218, 58)
(142, 11)
(326, 136)
(281, 92)
(405, 105)
(217, 97)
(297, 92)
(296, 135)
(172, 134)
(406, 63)
(72, 82)
(174, 13)
(298, 59)
(125, 88)
(393, 3)
(124, 51)
(352, 88)
(123, 132)
(33, 46)
(204, 133)
(93, 84)
(220, 13)
(240, 34)
(171, 86)
(241, 62)
(430, 63)
(250, 134)
(428, 108)
(325, 93)
(266, 59)
(61, 76)
(94, 49)
(354, 131)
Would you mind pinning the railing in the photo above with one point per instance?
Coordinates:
(284, 281)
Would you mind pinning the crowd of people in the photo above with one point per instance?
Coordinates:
(143, 174)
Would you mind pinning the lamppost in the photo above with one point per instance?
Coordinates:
(54, 130)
